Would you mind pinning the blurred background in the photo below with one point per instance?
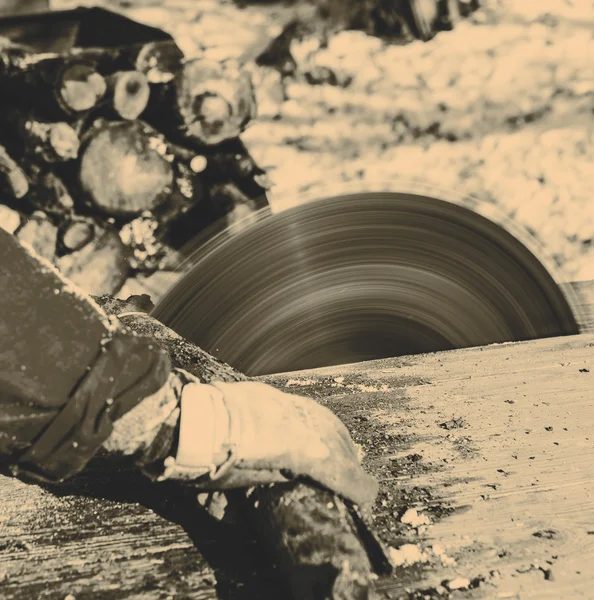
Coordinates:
(494, 99)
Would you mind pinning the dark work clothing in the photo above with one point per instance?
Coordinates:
(67, 371)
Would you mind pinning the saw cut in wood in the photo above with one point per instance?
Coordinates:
(364, 275)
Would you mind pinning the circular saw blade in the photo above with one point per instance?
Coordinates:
(362, 276)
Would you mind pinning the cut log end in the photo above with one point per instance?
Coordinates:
(10, 220)
(122, 172)
(75, 234)
(198, 164)
(159, 61)
(129, 92)
(81, 87)
(214, 103)
(64, 141)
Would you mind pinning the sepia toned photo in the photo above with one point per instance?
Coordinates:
(297, 299)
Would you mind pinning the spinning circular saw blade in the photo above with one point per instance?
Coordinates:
(364, 275)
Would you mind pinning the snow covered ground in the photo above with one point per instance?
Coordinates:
(500, 108)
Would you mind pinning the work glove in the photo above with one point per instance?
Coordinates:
(238, 435)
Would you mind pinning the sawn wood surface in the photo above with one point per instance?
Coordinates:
(492, 447)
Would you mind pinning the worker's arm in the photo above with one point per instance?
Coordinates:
(73, 380)
(67, 371)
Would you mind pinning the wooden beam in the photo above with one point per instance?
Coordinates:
(494, 449)
(487, 453)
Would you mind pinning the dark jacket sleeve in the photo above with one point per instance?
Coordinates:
(67, 371)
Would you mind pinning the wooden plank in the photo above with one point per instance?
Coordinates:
(111, 536)
(494, 475)
(495, 446)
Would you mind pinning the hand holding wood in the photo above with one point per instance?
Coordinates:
(248, 433)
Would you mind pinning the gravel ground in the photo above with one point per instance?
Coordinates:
(500, 108)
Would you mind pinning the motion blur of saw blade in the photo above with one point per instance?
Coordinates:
(363, 275)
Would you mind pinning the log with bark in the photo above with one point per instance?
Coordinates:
(74, 234)
(123, 169)
(323, 545)
(51, 194)
(127, 94)
(32, 138)
(58, 87)
(158, 61)
(75, 149)
(40, 233)
(205, 103)
(101, 264)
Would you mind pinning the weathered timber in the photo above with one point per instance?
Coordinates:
(122, 170)
(491, 446)
(127, 94)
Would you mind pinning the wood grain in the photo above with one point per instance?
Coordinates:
(506, 433)
(503, 447)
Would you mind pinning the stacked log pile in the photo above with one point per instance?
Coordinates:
(112, 158)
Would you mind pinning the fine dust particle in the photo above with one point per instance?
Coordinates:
(70, 597)
(413, 518)
(460, 583)
(407, 554)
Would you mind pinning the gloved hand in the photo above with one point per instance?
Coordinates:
(242, 434)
